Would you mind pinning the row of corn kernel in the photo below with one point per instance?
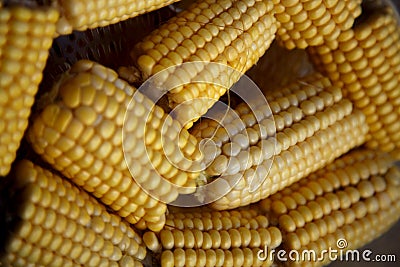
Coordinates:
(216, 238)
(356, 234)
(234, 33)
(99, 130)
(214, 257)
(322, 207)
(296, 105)
(293, 164)
(224, 239)
(53, 223)
(348, 170)
(305, 23)
(81, 15)
(304, 88)
(351, 206)
(25, 38)
(366, 65)
(302, 144)
(216, 220)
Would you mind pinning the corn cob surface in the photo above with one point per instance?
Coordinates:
(81, 135)
(81, 15)
(309, 23)
(50, 222)
(25, 38)
(366, 65)
(314, 125)
(355, 198)
(234, 33)
(203, 238)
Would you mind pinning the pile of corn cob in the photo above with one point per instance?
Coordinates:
(107, 162)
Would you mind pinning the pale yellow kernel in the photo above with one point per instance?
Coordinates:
(287, 223)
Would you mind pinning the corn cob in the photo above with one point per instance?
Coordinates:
(53, 223)
(80, 134)
(82, 15)
(309, 23)
(366, 65)
(314, 125)
(234, 33)
(327, 205)
(22, 60)
(221, 238)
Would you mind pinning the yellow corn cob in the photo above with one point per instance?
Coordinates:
(308, 23)
(213, 238)
(366, 66)
(80, 134)
(81, 15)
(50, 222)
(224, 239)
(235, 33)
(314, 125)
(25, 38)
(327, 205)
